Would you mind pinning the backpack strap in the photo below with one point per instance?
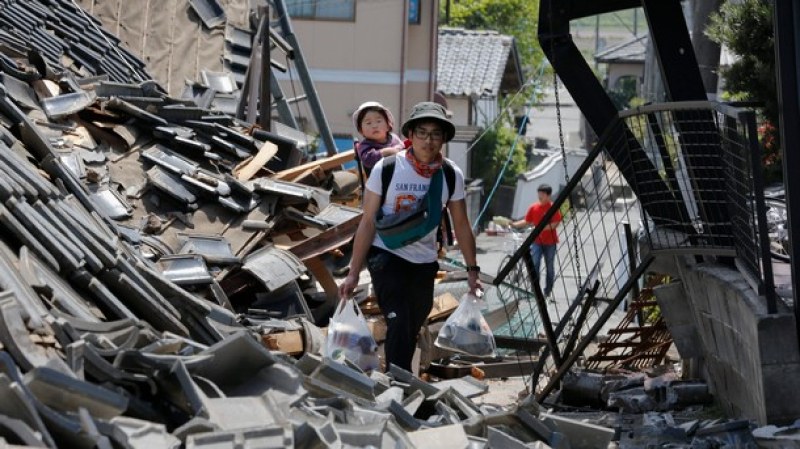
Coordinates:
(445, 233)
(449, 177)
(387, 172)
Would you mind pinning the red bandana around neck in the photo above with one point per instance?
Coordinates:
(424, 169)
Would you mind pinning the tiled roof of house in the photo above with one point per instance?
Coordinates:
(633, 50)
(476, 62)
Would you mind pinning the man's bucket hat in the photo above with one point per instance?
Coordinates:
(428, 110)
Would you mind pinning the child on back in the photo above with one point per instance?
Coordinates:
(375, 122)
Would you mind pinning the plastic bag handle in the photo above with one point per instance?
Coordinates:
(351, 302)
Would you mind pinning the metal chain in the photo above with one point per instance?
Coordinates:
(566, 180)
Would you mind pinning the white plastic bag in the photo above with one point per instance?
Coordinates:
(466, 331)
(349, 337)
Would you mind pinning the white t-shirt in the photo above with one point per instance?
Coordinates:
(406, 188)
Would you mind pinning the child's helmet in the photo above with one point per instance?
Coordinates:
(358, 115)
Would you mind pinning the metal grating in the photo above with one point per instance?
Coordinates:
(678, 177)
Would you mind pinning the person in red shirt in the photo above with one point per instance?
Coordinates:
(545, 243)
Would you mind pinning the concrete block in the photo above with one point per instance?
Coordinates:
(777, 339)
(581, 435)
(781, 384)
(445, 437)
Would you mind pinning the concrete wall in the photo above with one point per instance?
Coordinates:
(369, 59)
(619, 70)
(751, 358)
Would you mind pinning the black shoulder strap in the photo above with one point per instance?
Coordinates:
(449, 177)
(386, 175)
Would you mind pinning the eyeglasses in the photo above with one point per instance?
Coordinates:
(424, 134)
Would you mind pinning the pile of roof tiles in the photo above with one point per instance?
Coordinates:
(104, 345)
(62, 34)
(139, 269)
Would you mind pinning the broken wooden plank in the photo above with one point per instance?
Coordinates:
(312, 177)
(443, 306)
(290, 342)
(317, 267)
(329, 163)
(246, 170)
(328, 240)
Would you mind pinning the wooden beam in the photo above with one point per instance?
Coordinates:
(329, 163)
(246, 170)
(328, 240)
(323, 276)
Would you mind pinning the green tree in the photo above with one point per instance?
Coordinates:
(746, 29)
(491, 152)
(516, 18)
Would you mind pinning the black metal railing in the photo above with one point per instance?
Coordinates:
(707, 154)
(693, 160)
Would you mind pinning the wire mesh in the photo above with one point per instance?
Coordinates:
(677, 177)
(592, 263)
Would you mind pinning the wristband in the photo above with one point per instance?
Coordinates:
(474, 268)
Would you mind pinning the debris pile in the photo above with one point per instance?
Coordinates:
(638, 392)
(149, 246)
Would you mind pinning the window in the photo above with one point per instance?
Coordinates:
(413, 12)
(322, 9)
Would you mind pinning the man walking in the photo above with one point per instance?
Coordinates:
(545, 243)
(403, 273)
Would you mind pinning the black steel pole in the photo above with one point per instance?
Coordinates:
(786, 16)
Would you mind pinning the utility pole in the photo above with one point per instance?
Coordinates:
(786, 18)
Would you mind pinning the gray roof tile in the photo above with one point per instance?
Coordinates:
(473, 62)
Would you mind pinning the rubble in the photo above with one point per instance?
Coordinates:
(159, 262)
(633, 392)
(152, 246)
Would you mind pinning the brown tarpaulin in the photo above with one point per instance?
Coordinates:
(168, 35)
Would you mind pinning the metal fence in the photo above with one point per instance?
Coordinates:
(707, 162)
(680, 177)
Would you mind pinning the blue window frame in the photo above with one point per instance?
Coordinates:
(413, 12)
(322, 9)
